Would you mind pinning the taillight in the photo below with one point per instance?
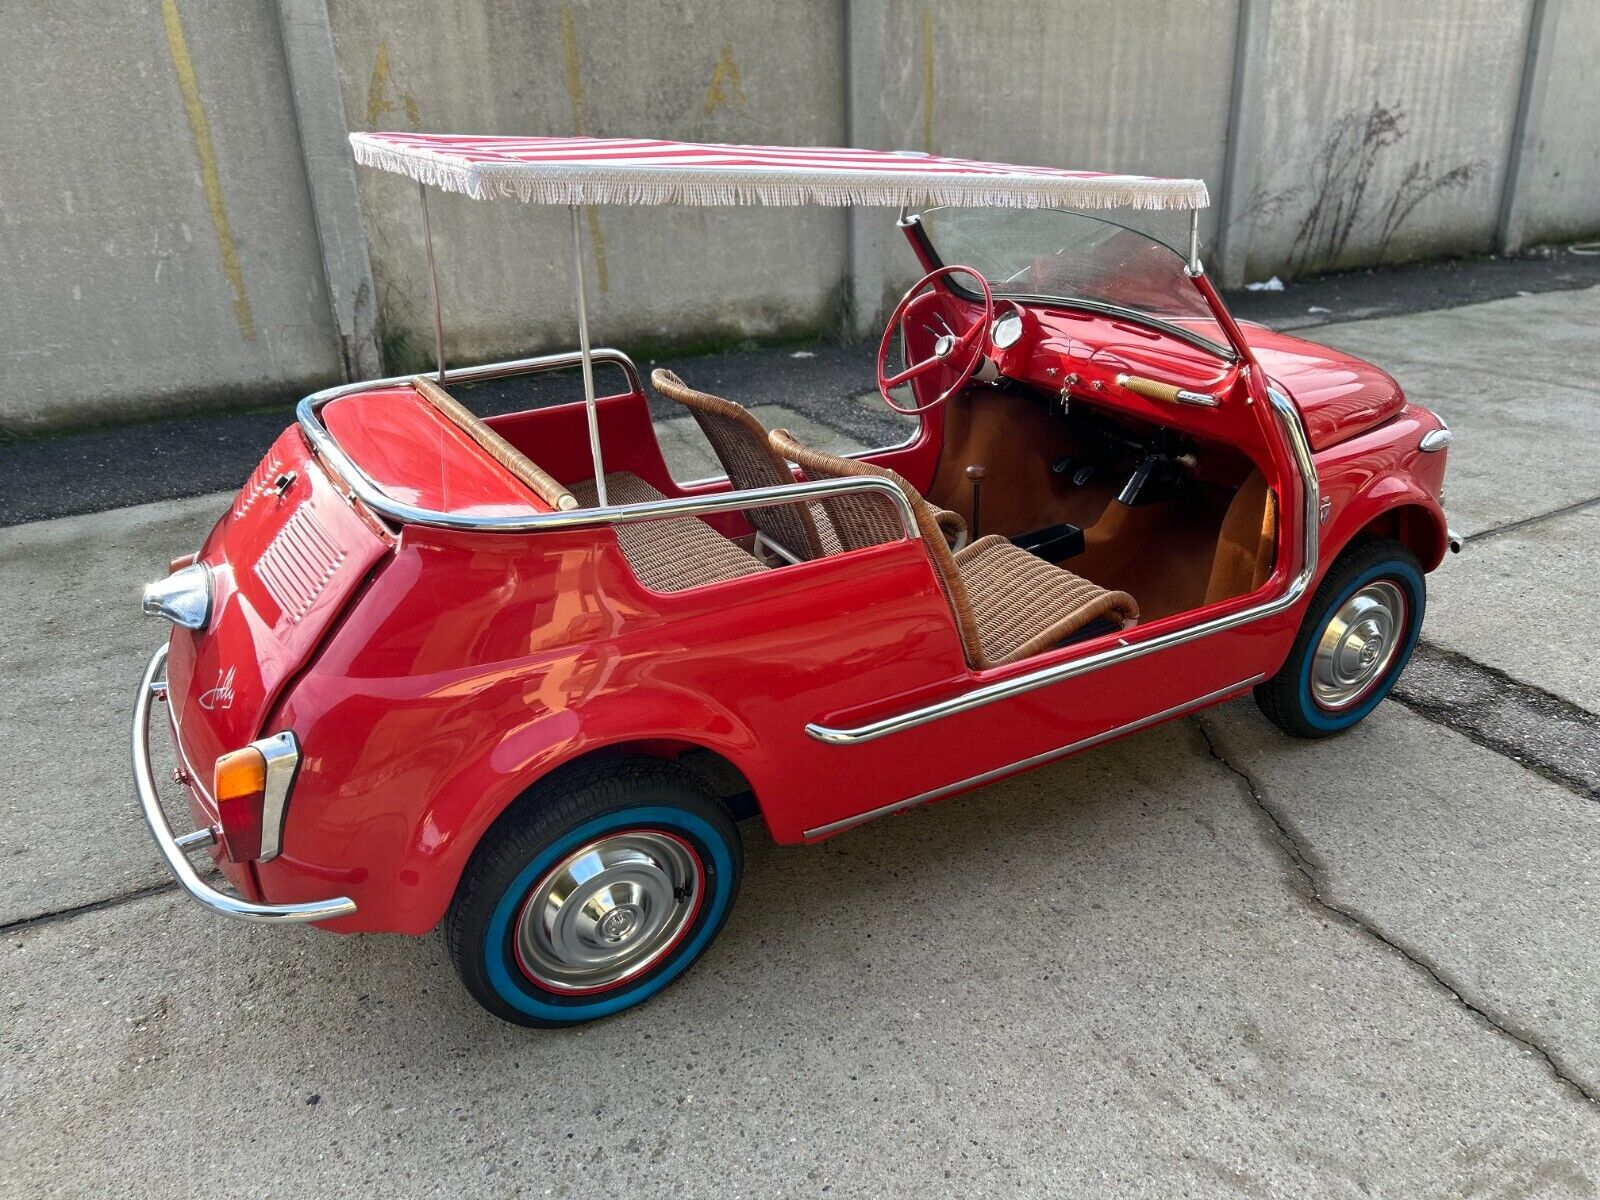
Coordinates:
(239, 786)
(251, 790)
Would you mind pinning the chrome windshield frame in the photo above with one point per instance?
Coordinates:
(362, 487)
(914, 226)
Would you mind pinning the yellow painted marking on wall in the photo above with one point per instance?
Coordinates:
(580, 127)
(378, 102)
(927, 81)
(210, 178)
(727, 89)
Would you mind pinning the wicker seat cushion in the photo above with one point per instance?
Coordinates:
(673, 553)
(1024, 605)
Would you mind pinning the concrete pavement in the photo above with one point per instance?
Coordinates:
(1207, 960)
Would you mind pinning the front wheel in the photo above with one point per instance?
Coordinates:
(593, 893)
(1358, 634)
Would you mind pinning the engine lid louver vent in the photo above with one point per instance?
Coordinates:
(259, 485)
(298, 564)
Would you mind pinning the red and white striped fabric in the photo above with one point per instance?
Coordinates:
(569, 170)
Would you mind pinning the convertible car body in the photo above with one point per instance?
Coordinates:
(512, 675)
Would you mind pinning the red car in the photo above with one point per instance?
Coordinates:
(511, 675)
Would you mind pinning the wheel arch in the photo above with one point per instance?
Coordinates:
(720, 753)
(718, 773)
(1418, 528)
(1398, 510)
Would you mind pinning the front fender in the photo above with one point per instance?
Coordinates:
(1383, 481)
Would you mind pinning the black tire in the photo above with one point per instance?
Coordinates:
(1289, 699)
(610, 807)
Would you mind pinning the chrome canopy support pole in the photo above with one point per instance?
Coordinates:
(1194, 242)
(433, 283)
(587, 361)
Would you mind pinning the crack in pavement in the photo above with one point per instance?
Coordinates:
(23, 924)
(1538, 730)
(1313, 874)
(1513, 526)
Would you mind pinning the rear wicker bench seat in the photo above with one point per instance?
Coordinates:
(673, 553)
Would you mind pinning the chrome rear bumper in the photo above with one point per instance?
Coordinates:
(175, 850)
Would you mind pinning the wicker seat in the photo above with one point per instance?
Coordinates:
(1008, 604)
(672, 553)
(740, 443)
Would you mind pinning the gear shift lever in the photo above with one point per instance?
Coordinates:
(976, 474)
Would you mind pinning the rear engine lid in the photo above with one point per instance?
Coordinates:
(285, 561)
(418, 456)
(1339, 395)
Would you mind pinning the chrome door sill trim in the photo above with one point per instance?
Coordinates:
(1018, 685)
(1036, 760)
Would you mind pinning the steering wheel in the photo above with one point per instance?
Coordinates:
(961, 353)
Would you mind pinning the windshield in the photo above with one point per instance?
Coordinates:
(1046, 253)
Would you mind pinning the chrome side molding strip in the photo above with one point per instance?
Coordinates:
(1036, 760)
(1017, 685)
(361, 485)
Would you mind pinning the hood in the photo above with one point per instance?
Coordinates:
(1339, 396)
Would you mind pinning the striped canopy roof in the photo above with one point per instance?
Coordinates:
(570, 170)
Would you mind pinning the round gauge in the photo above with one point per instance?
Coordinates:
(1007, 330)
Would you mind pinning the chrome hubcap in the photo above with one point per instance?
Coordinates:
(609, 911)
(1359, 644)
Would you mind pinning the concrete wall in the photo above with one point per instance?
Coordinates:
(1560, 197)
(1043, 82)
(128, 284)
(696, 70)
(1388, 145)
(168, 233)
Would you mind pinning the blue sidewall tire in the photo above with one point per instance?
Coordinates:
(1411, 583)
(517, 991)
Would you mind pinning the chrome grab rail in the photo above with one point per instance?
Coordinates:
(1018, 685)
(175, 850)
(369, 493)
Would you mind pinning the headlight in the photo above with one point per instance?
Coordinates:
(184, 597)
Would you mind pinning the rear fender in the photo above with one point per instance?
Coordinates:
(454, 821)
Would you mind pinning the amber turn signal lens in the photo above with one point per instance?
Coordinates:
(239, 786)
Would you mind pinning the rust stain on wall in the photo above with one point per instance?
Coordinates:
(378, 101)
(580, 127)
(727, 88)
(927, 80)
(210, 177)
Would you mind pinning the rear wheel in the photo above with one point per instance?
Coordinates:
(593, 893)
(1358, 634)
